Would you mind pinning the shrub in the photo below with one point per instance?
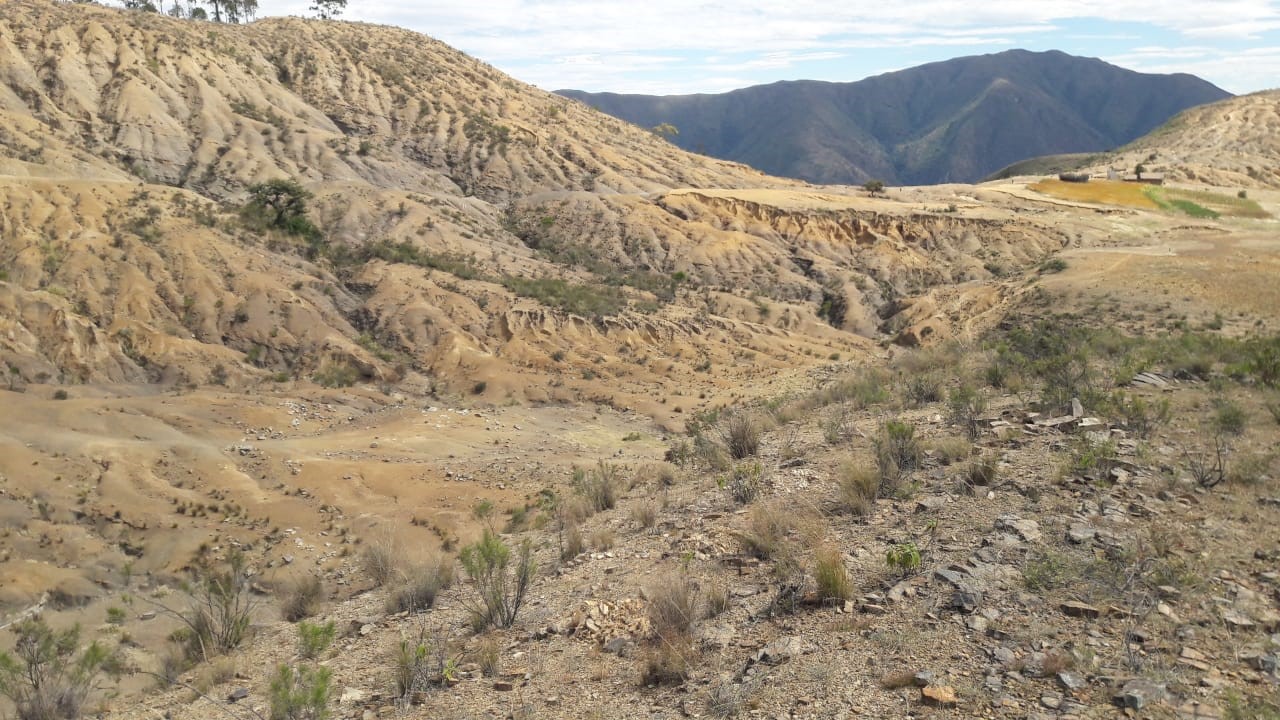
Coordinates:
(1052, 265)
(668, 661)
(923, 388)
(858, 486)
(381, 560)
(1140, 416)
(314, 638)
(301, 693)
(904, 558)
(672, 612)
(950, 450)
(645, 515)
(600, 486)
(220, 608)
(897, 454)
(741, 436)
(302, 598)
(48, 677)
(59, 394)
(500, 586)
(717, 600)
(115, 615)
(416, 588)
(489, 657)
(1230, 418)
(831, 576)
(672, 606)
(421, 663)
(744, 482)
(572, 543)
(767, 530)
(602, 539)
(982, 471)
(967, 404)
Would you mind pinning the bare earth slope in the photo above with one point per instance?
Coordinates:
(507, 289)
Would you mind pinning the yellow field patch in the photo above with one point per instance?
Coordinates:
(1105, 192)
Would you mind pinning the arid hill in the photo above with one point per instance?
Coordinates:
(672, 376)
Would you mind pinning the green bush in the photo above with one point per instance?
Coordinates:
(314, 638)
(500, 586)
(967, 404)
(301, 693)
(904, 558)
(48, 676)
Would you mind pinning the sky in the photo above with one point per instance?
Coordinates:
(666, 47)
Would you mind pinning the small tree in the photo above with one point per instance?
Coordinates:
(280, 205)
(1138, 170)
(875, 187)
(50, 678)
(501, 588)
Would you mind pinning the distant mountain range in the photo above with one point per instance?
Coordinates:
(953, 121)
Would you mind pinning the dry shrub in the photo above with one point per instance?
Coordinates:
(416, 588)
(672, 612)
(645, 515)
(602, 539)
(599, 486)
(672, 606)
(831, 576)
(768, 526)
(658, 474)
(668, 662)
(741, 433)
(950, 450)
(717, 600)
(489, 656)
(302, 598)
(381, 559)
(571, 543)
(858, 485)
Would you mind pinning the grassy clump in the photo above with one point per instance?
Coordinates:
(831, 576)
(302, 598)
(857, 487)
(417, 587)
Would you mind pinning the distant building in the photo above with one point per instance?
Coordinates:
(1112, 174)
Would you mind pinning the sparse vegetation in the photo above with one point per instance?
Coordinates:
(500, 584)
(49, 676)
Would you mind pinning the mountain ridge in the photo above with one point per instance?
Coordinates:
(949, 121)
